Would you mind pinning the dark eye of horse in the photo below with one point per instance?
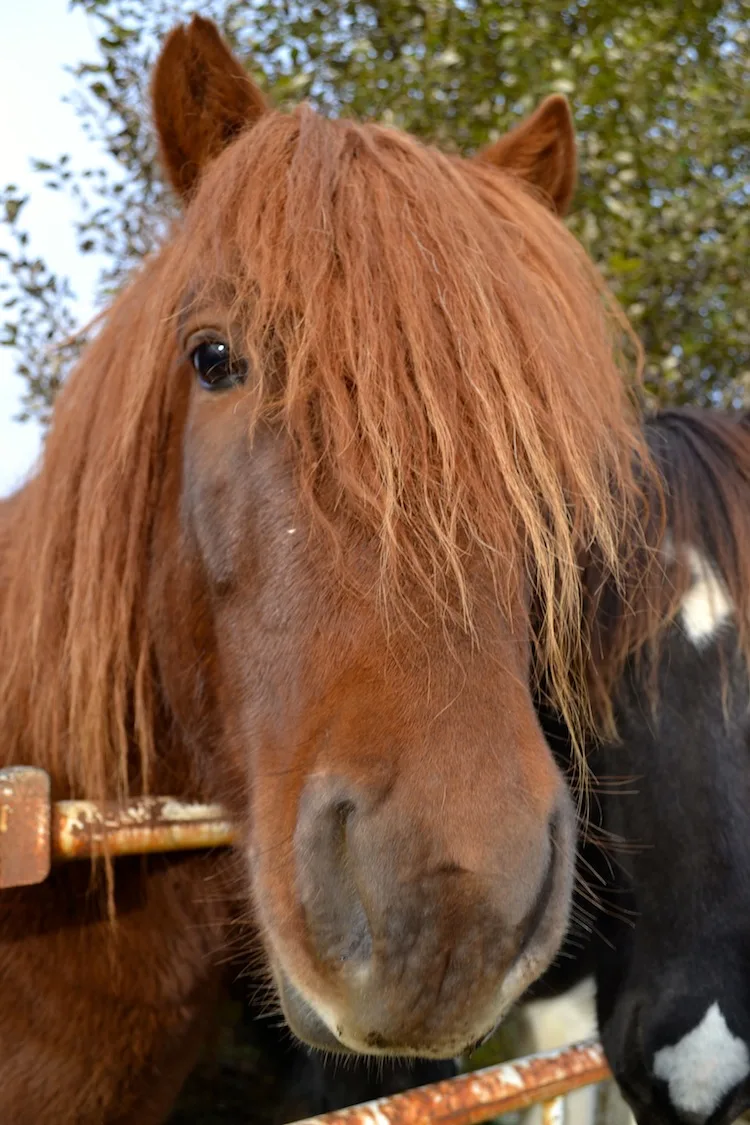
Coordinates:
(218, 369)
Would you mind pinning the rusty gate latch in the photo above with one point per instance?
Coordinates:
(36, 832)
(25, 852)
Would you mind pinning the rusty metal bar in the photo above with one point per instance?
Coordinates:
(35, 833)
(472, 1098)
(81, 829)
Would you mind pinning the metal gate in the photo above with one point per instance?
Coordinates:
(476, 1097)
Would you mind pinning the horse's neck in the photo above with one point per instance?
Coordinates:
(684, 816)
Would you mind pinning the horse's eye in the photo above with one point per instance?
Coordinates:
(218, 369)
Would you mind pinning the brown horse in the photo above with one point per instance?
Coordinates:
(306, 531)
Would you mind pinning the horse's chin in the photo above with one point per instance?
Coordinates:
(310, 1026)
(317, 1026)
(303, 1019)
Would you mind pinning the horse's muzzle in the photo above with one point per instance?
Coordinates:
(412, 954)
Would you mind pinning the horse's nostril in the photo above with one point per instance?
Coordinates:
(326, 877)
(343, 811)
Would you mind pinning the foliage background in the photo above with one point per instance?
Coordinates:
(661, 96)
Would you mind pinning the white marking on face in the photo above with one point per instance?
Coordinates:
(707, 605)
(704, 1066)
(667, 548)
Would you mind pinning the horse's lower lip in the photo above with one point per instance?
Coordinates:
(303, 1019)
(308, 1026)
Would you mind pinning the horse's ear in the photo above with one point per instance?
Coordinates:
(202, 98)
(542, 150)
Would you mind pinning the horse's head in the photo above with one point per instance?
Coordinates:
(372, 339)
(409, 837)
(344, 439)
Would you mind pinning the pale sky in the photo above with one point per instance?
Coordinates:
(39, 38)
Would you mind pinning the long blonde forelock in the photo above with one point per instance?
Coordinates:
(451, 385)
(454, 374)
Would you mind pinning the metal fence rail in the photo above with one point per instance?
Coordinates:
(36, 832)
(471, 1098)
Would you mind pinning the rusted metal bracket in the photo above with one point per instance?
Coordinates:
(25, 854)
(35, 833)
(476, 1097)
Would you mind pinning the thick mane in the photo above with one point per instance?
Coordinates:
(77, 692)
(445, 361)
(703, 461)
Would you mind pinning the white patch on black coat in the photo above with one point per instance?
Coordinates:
(706, 606)
(704, 1066)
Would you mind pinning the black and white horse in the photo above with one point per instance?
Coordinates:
(669, 850)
